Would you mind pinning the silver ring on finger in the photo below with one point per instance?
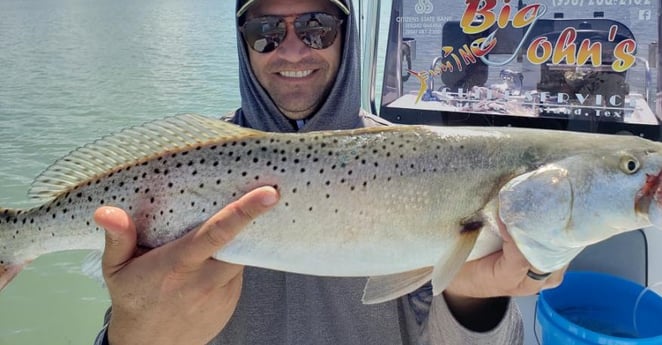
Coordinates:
(537, 276)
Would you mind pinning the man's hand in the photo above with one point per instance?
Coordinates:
(176, 293)
(473, 295)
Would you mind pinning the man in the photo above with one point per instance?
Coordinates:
(301, 78)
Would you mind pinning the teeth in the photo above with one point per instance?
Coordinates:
(296, 74)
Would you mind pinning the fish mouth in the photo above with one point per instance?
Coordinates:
(648, 200)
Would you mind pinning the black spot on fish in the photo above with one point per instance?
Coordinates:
(202, 161)
(195, 172)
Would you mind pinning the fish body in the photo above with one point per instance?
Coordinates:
(400, 204)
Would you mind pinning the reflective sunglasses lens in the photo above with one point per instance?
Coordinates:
(317, 30)
(264, 34)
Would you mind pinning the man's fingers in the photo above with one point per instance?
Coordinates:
(226, 224)
(120, 237)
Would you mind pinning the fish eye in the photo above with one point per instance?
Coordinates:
(629, 164)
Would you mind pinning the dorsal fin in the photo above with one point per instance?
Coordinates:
(130, 146)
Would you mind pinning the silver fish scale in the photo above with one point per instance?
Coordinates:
(353, 203)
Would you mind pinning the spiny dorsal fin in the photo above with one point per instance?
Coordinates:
(130, 146)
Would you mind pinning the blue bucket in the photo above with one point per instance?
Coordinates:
(595, 308)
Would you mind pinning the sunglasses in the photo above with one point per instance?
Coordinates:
(317, 30)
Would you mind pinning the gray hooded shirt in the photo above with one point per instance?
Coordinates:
(285, 308)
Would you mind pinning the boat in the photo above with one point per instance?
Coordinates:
(575, 65)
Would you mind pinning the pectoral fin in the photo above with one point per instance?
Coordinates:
(384, 288)
(380, 289)
(448, 265)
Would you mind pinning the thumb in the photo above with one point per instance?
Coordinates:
(120, 237)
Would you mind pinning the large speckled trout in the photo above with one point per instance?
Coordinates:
(401, 204)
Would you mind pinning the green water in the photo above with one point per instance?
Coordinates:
(70, 72)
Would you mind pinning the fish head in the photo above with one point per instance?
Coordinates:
(555, 211)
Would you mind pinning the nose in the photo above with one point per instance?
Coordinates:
(292, 48)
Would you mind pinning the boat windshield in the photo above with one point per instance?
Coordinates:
(586, 65)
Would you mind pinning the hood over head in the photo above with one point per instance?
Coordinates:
(339, 111)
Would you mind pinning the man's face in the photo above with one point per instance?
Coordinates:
(297, 77)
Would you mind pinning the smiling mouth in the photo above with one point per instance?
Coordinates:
(295, 74)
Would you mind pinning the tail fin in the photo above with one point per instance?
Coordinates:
(8, 272)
